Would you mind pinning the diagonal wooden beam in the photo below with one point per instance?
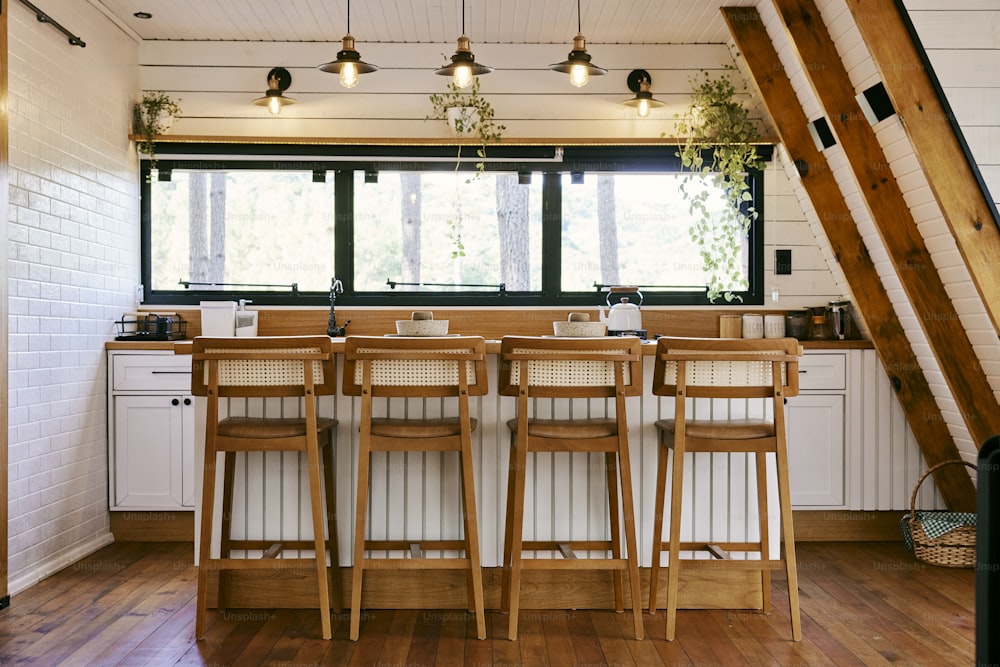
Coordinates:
(887, 333)
(928, 123)
(962, 370)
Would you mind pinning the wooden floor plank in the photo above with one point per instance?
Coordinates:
(862, 604)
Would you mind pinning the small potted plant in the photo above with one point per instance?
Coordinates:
(152, 116)
(721, 145)
(470, 115)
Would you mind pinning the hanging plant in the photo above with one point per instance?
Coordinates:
(151, 117)
(470, 115)
(721, 147)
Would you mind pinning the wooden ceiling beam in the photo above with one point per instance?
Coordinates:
(928, 122)
(957, 359)
(887, 333)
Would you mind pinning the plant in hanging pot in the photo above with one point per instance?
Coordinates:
(470, 115)
(152, 116)
(721, 147)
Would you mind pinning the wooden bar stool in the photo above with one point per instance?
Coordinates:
(267, 367)
(719, 368)
(448, 367)
(566, 368)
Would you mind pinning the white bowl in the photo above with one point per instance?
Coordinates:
(579, 329)
(422, 327)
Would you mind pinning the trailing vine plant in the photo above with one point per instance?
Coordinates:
(720, 147)
(152, 116)
(472, 117)
(476, 120)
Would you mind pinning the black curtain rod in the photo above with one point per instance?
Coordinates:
(45, 18)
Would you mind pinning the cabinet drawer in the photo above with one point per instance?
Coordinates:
(151, 372)
(823, 371)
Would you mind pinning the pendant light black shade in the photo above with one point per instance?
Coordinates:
(348, 63)
(578, 64)
(463, 65)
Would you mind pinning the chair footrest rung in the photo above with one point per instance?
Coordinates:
(219, 564)
(409, 545)
(574, 563)
(559, 545)
(415, 564)
(730, 564)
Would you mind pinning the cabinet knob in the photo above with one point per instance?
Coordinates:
(175, 402)
(187, 401)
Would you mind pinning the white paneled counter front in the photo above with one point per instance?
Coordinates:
(849, 449)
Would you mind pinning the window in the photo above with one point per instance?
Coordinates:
(536, 228)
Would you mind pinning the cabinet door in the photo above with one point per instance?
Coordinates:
(816, 449)
(149, 462)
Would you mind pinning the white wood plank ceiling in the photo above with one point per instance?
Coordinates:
(426, 21)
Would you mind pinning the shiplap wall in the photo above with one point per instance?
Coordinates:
(73, 230)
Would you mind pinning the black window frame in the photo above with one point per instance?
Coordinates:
(344, 161)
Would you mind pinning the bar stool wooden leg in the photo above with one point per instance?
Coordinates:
(205, 546)
(614, 519)
(319, 528)
(788, 533)
(519, 460)
(472, 538)
(625, 468)
(225, 539)
(661, 492)
(329, 489)
(508, 532)
(676, 491)
(760, 460)
(360, 514)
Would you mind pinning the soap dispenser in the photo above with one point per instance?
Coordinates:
(246, 320)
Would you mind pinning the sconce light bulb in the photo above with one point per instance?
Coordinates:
(274, 106)
(643, 108)
(462, 76)
(348, 75)
(578, 75)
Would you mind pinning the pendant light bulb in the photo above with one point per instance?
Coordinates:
(462, 76)
(349, 75)
(578, 75)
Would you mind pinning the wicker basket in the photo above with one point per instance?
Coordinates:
(956, 548)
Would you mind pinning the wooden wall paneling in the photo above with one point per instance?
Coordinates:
(928, 122)
(887, 333)
(4, 217)
(891, 215)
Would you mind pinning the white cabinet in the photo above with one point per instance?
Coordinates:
(150, 431)
(816, 435)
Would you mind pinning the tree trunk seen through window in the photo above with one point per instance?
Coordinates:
(217, 199)
(410, 219)
(198, 250)
(512, 220)
(207, 247)
(607, 229)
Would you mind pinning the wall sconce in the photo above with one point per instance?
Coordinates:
(278, 81)
(463, 64)
(638, 82)
(578, 64)
(348, 63)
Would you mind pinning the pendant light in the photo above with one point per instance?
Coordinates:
(348, 63)
(278, 81)
(639, 82)
(578, 64)
(463, 64)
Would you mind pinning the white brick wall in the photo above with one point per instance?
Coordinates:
(73, 256)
